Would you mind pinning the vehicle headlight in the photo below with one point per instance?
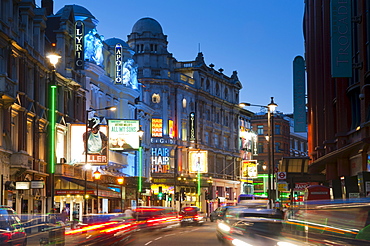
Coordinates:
(223, 227)
(238, 242)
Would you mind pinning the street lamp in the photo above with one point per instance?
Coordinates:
(86, 196)
(97, 176)
(120, 182)
(270, 109)
(140, 132)
(53, 58)
(112, 108)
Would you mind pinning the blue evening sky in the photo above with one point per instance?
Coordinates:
(257, 38)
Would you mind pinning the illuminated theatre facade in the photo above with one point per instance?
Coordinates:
(188, 111)
(194, 133)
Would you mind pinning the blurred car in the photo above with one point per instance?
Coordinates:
(102, 234)
(251, 226)
(191, 216)
(11, 228)
(218, 213)
(155, 217)
(338, 221)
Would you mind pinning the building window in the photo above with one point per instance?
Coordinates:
(260, 148)
(260, 130)
(225, 143)
(217, 89)
(206, 137)
(216, 140)
(277, 130)
(277, 147)
(29, 138)
(184, 132)
(156, 98)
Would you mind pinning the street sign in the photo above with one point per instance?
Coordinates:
(281, 175)
(283, 186)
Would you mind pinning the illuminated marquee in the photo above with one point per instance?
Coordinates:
(79, 45)
(170, 129)
(123, 134)
(249, 169)
(77, 144)
(160, 160)
(118, 52)
(198, 161)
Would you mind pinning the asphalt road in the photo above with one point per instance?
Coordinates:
(180, 236)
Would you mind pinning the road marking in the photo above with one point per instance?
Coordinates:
(148, 242)
(158, 238)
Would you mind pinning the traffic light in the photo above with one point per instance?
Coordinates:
(206, 195)
(165, 196)
(170, 197)
(160, 194)
(177, 196)
(183, 195)
(210, 195)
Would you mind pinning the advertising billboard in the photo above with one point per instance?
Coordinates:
(123, 134)
(198, 161)
(97, 142)
(157, 126)
(249, 169)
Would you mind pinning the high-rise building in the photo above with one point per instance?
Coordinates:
(337, 61)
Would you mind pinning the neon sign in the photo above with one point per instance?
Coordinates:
(160, 160)
(118, 52)
(79, 45)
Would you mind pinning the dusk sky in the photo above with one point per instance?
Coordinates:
(258, 39)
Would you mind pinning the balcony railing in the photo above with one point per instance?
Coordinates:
(72, 171)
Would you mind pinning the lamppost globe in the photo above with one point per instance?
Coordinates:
(53, 58)
(97, 175)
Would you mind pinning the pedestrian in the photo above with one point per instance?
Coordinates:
(129, 213)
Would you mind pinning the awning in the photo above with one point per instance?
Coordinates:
(345, 152)
(91, 188)
(118, 158)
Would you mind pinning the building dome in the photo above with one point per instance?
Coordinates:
(114, 41)
(77, 10)
(147, 25)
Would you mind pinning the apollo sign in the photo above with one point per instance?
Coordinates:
(118, 55)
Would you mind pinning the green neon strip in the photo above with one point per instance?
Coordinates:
(53, 103)
(200, 204)
(140, 168)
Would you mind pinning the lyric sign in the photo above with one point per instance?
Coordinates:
(79, 45)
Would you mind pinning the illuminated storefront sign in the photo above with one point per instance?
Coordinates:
(160, 160)
(249, 169)
(79, 45)
(192, 126)
(162, 140)
(341, 38)
(198, 161)
(123, 134)
(157, 128)
(22, 185)
(118, 50)
(77, 144)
